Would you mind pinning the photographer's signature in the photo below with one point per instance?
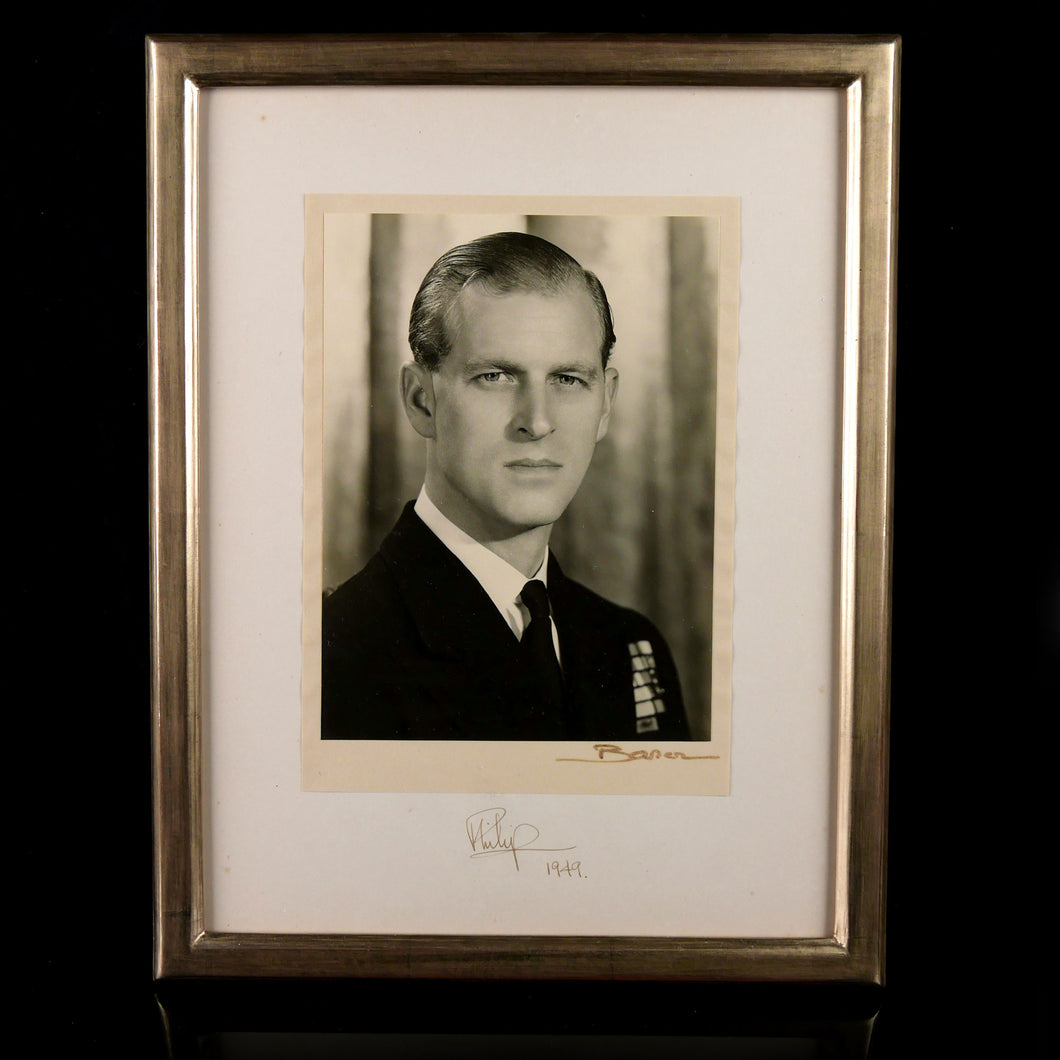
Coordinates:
(611, 752)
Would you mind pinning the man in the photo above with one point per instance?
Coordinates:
(463, 626)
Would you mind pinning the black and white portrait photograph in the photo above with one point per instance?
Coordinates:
(518, 429)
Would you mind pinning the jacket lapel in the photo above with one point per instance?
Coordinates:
(471, 665)
(453, 614)
(596, 674)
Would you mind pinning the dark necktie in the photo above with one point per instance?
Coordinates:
(538, 653)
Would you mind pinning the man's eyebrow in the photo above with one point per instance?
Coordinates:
(491, 364)
(577, 368)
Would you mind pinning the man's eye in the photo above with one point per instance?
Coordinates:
(490, 377)
(569, 380)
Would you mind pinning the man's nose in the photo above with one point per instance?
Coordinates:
(532, 417)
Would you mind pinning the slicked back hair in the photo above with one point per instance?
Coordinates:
(500, 263)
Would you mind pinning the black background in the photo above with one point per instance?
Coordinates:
(975, 598)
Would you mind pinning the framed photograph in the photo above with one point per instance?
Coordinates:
(522, 417)
(648, 526)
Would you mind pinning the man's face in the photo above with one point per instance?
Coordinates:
(520, 402)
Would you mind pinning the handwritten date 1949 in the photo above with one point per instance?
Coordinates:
(566, 868)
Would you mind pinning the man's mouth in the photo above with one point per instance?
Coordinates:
(532, 464)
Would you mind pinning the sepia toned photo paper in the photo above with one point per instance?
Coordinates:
(651, 527)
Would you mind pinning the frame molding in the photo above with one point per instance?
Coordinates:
(867, 69)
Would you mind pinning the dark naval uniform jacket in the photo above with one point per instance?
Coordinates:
(414, 648)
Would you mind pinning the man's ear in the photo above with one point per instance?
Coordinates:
(610, 393)
(417, 397)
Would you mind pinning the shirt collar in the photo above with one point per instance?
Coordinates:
(502, 582)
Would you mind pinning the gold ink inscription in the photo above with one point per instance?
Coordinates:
(611, 752)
